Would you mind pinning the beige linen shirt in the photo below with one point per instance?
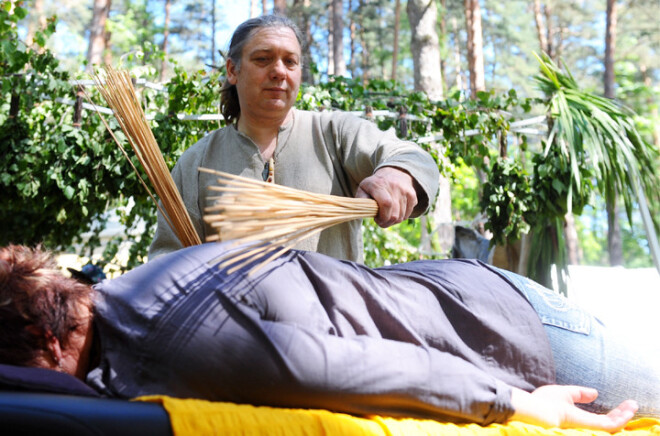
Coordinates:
(323, 152)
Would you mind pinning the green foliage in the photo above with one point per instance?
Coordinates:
(593, 143)
(341, 93)
(55, 182)
(487, 115)
(589, 128)
(44, 168)
(553, 188)
(592, 235)
(59, 181)
(389, 246)
(452, 117)
(186, 93)
(465, 192)
(507, 200)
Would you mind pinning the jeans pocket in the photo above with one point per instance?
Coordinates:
(552, 308)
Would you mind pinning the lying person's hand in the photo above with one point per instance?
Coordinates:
(554, 406)
(394, 191)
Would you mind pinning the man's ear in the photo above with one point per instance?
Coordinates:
(232, 72)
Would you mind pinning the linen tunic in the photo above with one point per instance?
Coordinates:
(326, 152)
(439, 339)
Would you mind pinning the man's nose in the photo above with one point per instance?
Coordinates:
(279, 69)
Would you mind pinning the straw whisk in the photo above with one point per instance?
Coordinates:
(117, 90)
(264, 219)
(269, 219)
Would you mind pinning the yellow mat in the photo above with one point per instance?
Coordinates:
(198, 417)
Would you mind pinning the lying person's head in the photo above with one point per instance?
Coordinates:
(45, 317)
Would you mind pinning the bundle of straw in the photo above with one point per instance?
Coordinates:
(269, 218)
(117, 90)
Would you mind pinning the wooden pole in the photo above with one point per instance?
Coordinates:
(14, 105)
(77, 108)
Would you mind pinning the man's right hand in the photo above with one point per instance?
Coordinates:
(555, 406)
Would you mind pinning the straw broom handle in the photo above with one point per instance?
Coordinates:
(120, 95)
(128, 159)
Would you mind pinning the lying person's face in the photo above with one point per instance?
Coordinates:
(76, 351)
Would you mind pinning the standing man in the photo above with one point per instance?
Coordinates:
(266, 137)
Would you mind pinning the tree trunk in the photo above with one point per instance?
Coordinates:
(475, 58)
(353, 37)
(422, 15)
(395, 48)
(254, 11)
(425, 48)
(475, 47)
(457, 55)
(443, 38)
(614, 240)
(366, 51)
(545, 30)
(338, 37)
(97, 34)
(166, 35)
(571, 236)
(279, 7)
(331, 44)
(300, 11)
(552, 47)
(107, 56)
(264, 7)
(610, 46)
(540, 27)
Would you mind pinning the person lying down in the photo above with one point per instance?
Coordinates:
(453, 340)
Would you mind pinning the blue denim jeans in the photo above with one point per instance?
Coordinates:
(587, 352)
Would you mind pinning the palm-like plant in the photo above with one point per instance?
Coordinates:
(596, 138)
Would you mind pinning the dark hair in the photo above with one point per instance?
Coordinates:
(229, 104)
(36, 299)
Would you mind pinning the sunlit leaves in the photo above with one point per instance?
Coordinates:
(595, 137)
(507, 200)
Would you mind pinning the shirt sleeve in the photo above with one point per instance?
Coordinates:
(364, 147)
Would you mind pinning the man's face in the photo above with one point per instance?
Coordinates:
(269, 75)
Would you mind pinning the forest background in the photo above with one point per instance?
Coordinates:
(473, 62)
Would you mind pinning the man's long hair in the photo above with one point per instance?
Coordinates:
(229, 104)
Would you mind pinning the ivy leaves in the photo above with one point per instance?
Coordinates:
(507, 200)
(507, 195)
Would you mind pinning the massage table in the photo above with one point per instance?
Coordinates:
(36, 401)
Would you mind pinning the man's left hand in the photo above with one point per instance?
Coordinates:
(394, 191)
